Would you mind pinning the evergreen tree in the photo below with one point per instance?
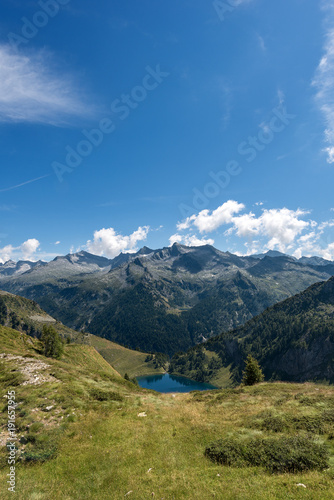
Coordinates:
(14, 321)
(53, 346)
(3, 312)
(252, 373)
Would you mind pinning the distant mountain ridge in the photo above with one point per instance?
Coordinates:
(11, 268)
(163, 300)
(91, 262)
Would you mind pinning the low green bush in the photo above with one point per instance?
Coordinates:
(279, 455)
(36, 427)
(102, 395)
(309, 423)
(38, 455)
(43, 446)
(281, 422)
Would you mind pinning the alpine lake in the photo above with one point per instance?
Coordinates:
(172, 383)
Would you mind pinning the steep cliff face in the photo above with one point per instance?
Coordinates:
(312, 362)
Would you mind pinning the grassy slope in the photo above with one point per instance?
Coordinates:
(105, 450)
(122, 359)
(30, 313)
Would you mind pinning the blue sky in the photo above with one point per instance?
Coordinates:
(125, 124)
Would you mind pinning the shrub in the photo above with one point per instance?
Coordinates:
(283, 454)
(39, 455)
(279, 422)
(36, 426)
(101, 395)
(271, 422)
(309, 423)
(42, 447)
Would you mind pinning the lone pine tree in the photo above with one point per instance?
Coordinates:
(53, 346)
(252, 373)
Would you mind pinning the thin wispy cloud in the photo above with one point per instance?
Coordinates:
(324, 81)
(8, 208)
(261, 43)
(24, 183)
(31, 92)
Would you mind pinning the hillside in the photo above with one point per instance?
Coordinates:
(82, 433)
(292, 340)
(28, 317)
(164, 300)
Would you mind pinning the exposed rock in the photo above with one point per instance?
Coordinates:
(31, 368)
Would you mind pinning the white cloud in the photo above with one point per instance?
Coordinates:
(57, 243)
(246, 225)
(181, 226)
(28, 248)
(278, 228)
(110, 243)
(31, 92)
(175, 238)
(328, 252)
(314, 246)
(207, 222)
(324, 225)
(324, 83)
(6, 253)
(282, 226)
(26, 251)
(190, 240)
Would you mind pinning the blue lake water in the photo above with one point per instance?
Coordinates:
(172, 383)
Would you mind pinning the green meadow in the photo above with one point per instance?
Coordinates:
(86, 433)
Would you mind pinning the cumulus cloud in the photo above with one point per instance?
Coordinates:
(190, 240)
(6, 253)
(110, 243)
(31, 92)
(246, 225)
(328, 252)
(28, 248)
(279, 226)
(207, 222)
(282, 226)
(25, 251)
(274, 229)
(324, 82)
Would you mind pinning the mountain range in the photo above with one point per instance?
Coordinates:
(164, 300)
